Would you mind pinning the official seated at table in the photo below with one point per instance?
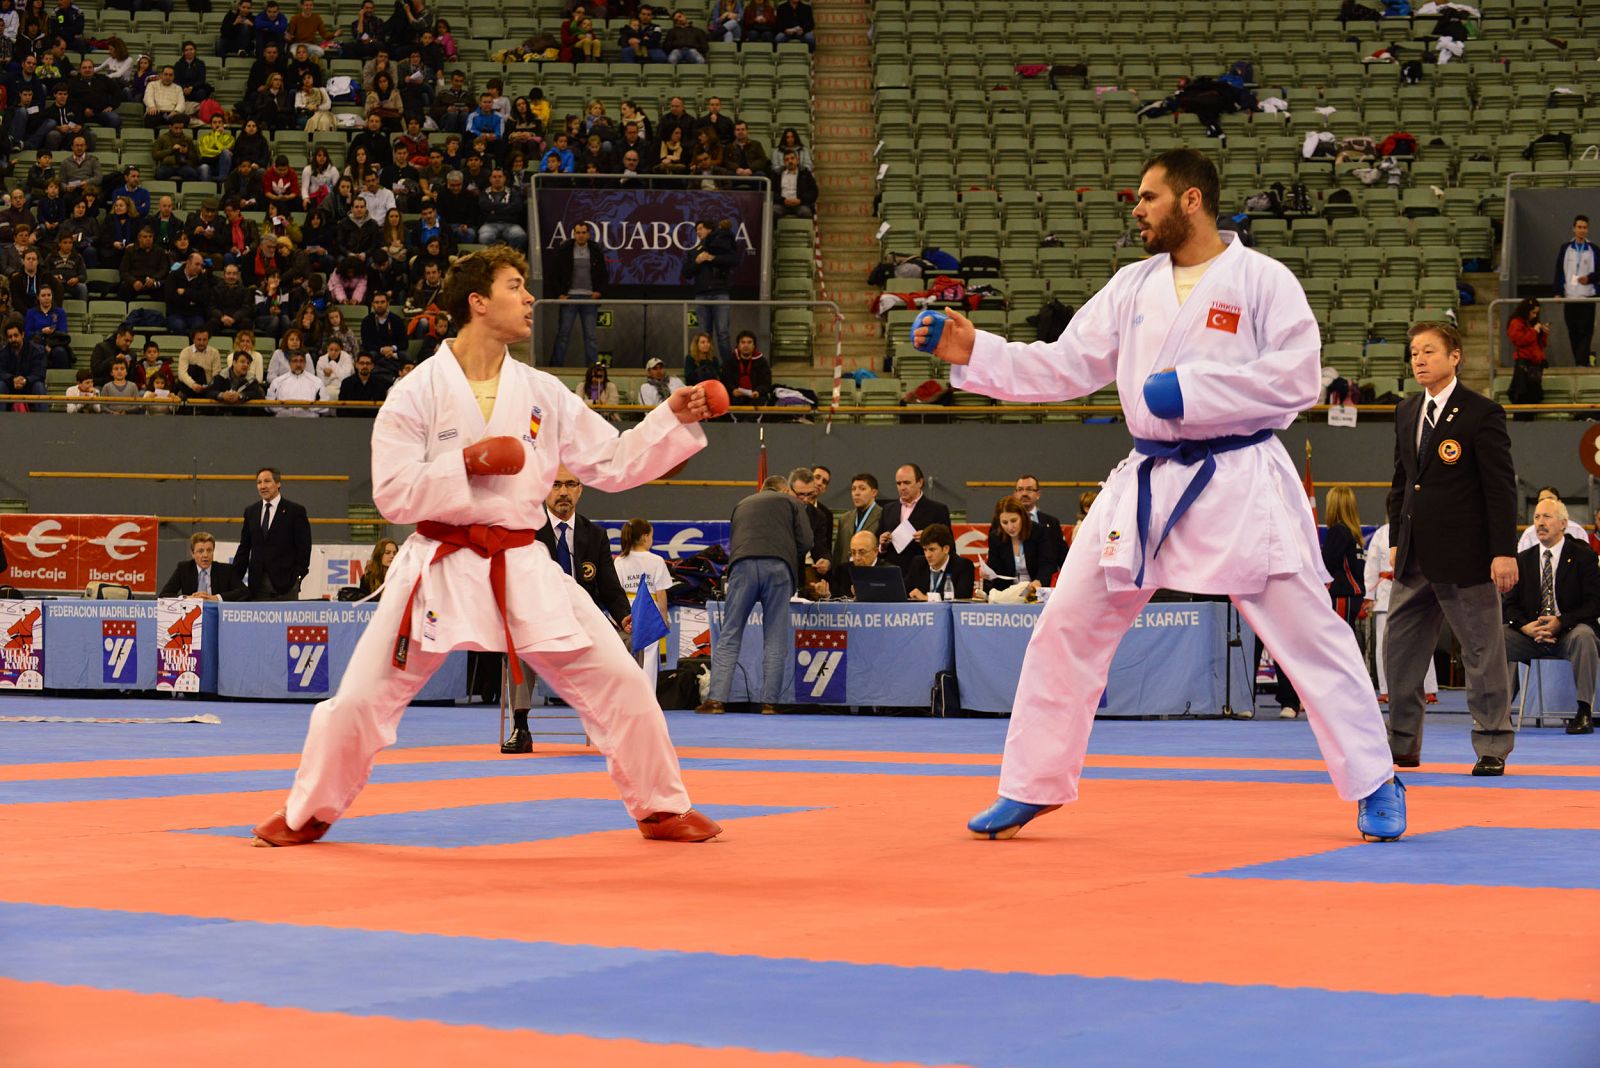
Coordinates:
(377, 569)
(203, 577)
(940, 575)
(863, 553)
(1022, 552)
(1552, 611)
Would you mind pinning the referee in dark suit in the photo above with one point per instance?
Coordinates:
(274, 551)
(1452, 508)
(583, 550)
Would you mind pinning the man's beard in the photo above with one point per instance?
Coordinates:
(1170, 234)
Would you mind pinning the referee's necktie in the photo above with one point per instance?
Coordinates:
(563, 554)
(205, 581)
(1427, 430)
(1547, 587)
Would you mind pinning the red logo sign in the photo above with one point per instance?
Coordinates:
(62, 553)
(1224, 317)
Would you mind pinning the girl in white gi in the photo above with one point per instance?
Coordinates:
(1212, 347)
(1380, 580)
(467, 447)
(636, 561)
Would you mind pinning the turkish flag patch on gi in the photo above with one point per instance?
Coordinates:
(1224, 317)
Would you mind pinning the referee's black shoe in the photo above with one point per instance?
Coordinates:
(1489, 765)
(520, 741)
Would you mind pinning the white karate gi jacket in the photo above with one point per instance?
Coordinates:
(1247, 351)
(418, 474)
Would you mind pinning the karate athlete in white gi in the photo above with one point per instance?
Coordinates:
(467, 447)
(1212, 347)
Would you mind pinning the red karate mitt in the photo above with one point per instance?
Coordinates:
(494, 456)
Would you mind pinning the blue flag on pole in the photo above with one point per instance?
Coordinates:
(648, 626)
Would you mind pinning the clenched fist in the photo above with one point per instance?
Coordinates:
(494, 456)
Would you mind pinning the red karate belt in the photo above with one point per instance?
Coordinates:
(491, 542)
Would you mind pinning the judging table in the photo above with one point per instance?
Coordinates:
(283, 650)
(1171, 662)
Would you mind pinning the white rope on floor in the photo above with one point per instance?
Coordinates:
(203, 718)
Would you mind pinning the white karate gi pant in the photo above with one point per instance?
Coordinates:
(601, 681)
(1069, 656)
(1380, 627)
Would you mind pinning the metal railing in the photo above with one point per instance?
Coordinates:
(1497, 333)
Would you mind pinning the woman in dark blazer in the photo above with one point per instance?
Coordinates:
(1021, 552)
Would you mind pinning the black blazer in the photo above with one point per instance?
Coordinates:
(1453, 515)
(1036, 552)
(1055, 540)
(274, 563)
(927, 512)
(821, 532)
(1577, 586)
(592, 565)
(225, 582)
(561, 271)
(960, 577)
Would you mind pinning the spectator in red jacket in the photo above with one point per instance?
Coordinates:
(1530, 338)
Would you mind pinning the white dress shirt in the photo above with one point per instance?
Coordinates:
(302, 387)
(1439, 404)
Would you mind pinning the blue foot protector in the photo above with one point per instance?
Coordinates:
(1381, 815)
(934, 321)
(1005, 818)
(1163, 395)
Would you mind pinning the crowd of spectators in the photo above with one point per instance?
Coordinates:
(281, 250)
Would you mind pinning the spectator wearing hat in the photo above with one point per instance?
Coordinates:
(657, 385)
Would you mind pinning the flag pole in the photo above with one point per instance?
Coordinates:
(761, 462)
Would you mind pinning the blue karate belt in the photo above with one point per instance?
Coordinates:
(1203, 452)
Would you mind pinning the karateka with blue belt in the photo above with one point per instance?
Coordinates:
(1213, 347)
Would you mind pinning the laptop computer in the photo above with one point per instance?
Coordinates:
(878, 584)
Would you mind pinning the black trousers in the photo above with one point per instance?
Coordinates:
(1580, 331)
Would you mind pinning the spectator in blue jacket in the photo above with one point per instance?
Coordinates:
(271, 27)
(45, 327)
(66, 22)
(565, 160)
(487, 124)
(22, 368)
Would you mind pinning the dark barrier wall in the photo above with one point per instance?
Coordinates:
(1545, 453)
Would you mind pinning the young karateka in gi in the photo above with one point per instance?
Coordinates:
(1212, 347)
(466, 447)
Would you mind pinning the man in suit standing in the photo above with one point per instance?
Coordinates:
(275, 546)
(583, 551)
(1026, 491)
(1452, 511)
(863, 516)
(201, 577)
(940, 575)
(803, 484)
(912, 507)
(1552, 612)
